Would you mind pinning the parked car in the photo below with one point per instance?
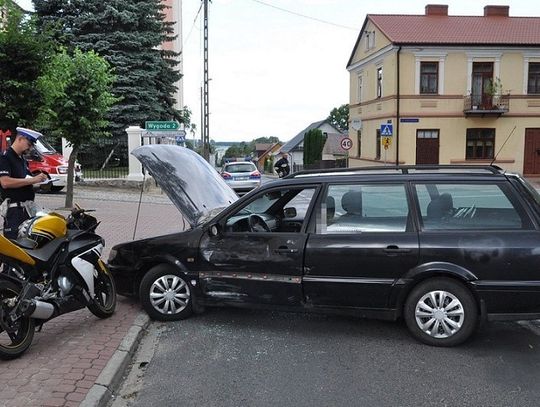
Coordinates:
(241, 175)
(442, 247)
(44, 158)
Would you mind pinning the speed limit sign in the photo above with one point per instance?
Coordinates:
(346, 143)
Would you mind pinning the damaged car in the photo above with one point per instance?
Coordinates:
(442, 247)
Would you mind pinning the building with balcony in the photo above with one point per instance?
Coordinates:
(443, 89)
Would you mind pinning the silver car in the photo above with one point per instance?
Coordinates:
(241, 175)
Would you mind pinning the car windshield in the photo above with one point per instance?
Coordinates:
(43, 147)
(240, 167)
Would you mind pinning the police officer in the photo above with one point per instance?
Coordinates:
(282, 166)
(16, 181)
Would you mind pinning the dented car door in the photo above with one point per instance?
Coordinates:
(257, 256)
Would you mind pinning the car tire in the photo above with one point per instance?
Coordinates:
(165, 294)
(441, 312)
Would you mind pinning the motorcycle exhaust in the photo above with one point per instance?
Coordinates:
(37, 309)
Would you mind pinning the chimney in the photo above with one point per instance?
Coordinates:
(496, 11)
(436, 10)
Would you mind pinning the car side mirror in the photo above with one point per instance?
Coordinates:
(289, 212)
(214, 230)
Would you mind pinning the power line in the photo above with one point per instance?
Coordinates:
(192, 26)
(305, 16)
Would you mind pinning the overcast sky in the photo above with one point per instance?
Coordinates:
(274, 72)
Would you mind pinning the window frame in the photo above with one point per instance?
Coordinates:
(533, 75)
(379, 78)
(432, 78)
(473, 134)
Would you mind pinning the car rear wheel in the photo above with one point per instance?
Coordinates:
(165, 294)
(441, 312)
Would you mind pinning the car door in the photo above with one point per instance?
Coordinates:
(257, 256)
(363, 241)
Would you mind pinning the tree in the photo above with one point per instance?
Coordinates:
(128, 34)
(22, 55)
(77, 97)
(339, 117)
(314, 141)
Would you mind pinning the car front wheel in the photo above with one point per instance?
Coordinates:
(165, 294)
(441, 312)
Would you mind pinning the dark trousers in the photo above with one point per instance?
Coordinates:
(14, 217)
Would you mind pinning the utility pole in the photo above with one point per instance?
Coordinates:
(205, 129)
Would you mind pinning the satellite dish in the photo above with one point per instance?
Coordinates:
(356, 124)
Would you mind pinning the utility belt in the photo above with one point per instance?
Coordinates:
(16, 205)
(29, 206)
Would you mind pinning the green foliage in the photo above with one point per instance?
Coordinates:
(129, 35)
(314, 141)
(339, 117)
(77, 96)
(23, 53)
(239, 150)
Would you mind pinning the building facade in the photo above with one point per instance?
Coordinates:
(173, 13)
(440, 89)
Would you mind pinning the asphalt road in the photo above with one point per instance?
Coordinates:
(233, 357)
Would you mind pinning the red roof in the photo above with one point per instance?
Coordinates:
(478, 30)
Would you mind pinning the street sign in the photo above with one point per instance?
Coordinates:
(409, 120)
(161, 126)
(356, 124)
(386, 130)
(346, 143)
(386, 142)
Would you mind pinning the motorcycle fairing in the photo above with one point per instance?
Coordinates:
(86, 265)
(7, 248)
(193, 185)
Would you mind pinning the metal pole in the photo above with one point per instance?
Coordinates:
(206, 133)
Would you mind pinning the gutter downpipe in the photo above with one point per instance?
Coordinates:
(397, 109)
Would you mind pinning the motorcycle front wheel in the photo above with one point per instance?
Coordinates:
(15, 336)
(104, 301)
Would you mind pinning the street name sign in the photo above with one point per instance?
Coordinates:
(161, 126)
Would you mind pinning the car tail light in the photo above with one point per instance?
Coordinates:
(255, 175)
(226, 175)
(62, 170)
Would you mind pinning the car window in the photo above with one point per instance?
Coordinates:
(364, 208)
(241, 167)
(281, 210)
(468, 206)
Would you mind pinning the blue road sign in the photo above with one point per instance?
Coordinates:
(386, 130)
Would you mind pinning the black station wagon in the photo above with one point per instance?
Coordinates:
(442, 247)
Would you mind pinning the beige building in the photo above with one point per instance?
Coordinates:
(440, 89)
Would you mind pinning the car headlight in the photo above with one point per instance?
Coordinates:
(62, 170)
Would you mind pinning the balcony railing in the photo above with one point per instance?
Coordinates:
(486, 105)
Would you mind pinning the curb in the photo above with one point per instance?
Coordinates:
(110, 377)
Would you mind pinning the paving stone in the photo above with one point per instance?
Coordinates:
(72, 350)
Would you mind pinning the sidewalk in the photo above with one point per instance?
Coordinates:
(76, 357)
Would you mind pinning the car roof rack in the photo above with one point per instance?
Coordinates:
(403, 169)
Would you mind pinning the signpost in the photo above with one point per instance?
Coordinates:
(161, 126)
(386, 130)
(346, 143)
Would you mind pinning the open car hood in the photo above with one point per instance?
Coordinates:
(192, 184)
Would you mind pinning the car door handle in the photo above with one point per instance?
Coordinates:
(285, 250)
(393, 250)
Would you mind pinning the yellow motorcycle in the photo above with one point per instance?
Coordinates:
(54, 267)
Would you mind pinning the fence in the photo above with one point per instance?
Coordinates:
(105, 158)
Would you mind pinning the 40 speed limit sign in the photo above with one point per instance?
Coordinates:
(346, 143)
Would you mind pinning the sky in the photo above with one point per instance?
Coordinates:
(272, 71)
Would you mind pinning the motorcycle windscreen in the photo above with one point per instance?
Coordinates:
(193, 185)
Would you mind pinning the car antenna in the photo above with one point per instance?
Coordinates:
(139, 206)
(507, 138)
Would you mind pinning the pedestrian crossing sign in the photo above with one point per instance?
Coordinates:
(386, 130)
